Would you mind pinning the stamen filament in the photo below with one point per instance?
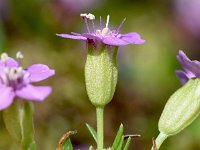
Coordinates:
(118, 29)
(100, 22)
(87, 26)
(107, 21)
(93, 26)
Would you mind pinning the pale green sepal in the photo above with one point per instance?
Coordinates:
(19, 123)
(101, 74)
(92, 131)
(128, 142)
(181, 109)
(118, 139)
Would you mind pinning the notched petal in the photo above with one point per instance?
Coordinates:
(39, 72)
(35, 93)
(132, 38)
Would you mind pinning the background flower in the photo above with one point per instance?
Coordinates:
(16, 81)
(191, 68)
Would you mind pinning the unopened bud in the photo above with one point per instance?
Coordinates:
(182, 108)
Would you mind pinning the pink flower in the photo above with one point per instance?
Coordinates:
(16, 81)
(104, 35)
(191, 68)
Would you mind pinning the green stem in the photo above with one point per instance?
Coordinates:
(159, 140)
(100, 130)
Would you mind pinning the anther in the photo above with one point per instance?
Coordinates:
(4, 57)
(83, 15)
(19, 55)
(90, 16)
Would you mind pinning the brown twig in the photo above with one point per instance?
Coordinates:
(64, 137)
(131, 135)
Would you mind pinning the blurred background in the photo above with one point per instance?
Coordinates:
(146, 72)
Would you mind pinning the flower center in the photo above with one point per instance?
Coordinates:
(100, 32)
(13, 76)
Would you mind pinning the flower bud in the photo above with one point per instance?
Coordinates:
(181, 109)
(101, 74)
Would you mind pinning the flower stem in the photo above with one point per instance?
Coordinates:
(159, 140)
(100, 130)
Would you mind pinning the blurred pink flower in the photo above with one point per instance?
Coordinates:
(188, 13)
(16, 81)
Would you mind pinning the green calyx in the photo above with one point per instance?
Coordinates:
(18, 119)
(101, 74)
(181, 109)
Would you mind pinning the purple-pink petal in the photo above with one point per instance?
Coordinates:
(114, 41)
(182, 76)
(39, 72)
(6, 96)
(75, 37)
(187, 64)
(35, 93)
(132, 38)
(11, 62)
(92, 36)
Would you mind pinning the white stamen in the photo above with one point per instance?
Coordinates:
(90, 16)
(107, 21)
(15, 73)
(4, 57)
(83, 15)
(19, 55)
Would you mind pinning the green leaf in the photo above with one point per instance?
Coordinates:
(19, 123)
(92, 131)
(118, 138)
(67, 145)
(120, 143)
(128, 142)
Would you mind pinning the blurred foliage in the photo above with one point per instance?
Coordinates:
(146, 72)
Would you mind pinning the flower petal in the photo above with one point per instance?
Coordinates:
(92, 36)
(9, 63)
(12, 62)
(182, 76)
(188, 65)
(114, 41)
(35, 93)
(132, 38)
(75, 37)
(6, 96)
(39, 72)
